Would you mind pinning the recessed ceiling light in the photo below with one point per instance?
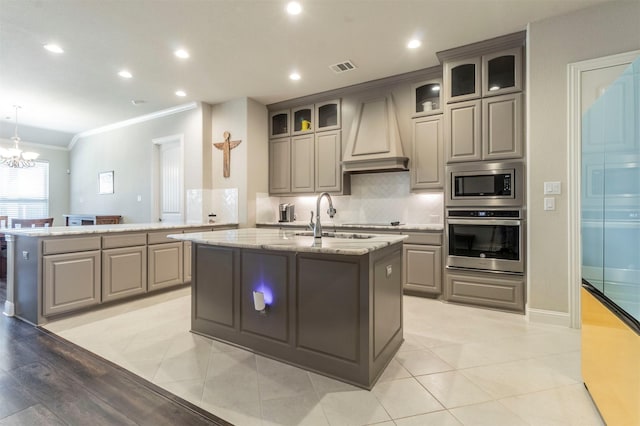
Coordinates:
(294, 76)
(413, 44)
(53, 48)
(125, 74)
(181, 53)
(181, 93)
(294, 8)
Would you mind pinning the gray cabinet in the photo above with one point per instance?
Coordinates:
(280, 166)
(70, 281)
(328, 152)
(462, 79)
(427, 169)
(499, 291)
(302, 163)
(502, 72)
(502, 130)
(422, 268)
(187, 261)
(165, 265)
(279, 124)
(124, 272)
(302, 120)
(463, 131)
(328, 115)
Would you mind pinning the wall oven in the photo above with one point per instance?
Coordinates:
(485, 184)
(485, 239)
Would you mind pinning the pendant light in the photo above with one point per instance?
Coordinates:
(14, 157)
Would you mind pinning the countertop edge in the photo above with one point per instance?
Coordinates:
(60, 231)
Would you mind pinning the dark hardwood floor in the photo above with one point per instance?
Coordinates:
(45, 380)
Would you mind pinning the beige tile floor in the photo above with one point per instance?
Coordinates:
(457, 366)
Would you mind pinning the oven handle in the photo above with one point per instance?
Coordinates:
(504, 222)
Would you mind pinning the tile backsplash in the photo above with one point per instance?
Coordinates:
(375, 198)
(221, 202)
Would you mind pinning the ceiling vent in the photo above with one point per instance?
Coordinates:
(342, 67)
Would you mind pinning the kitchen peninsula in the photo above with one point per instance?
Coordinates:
(331, 305)
(59, 270)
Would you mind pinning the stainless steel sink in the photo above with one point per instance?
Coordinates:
(345, 235)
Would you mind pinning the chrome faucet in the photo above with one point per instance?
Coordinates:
(317, 227)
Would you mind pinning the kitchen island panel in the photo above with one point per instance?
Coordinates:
(215, 277)
(387, 306)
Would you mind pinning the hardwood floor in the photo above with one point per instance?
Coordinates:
(48, 381)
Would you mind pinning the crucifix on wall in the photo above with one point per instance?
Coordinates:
(226, 148)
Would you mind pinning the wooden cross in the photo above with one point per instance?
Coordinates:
(226, 148)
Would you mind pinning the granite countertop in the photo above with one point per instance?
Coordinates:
(383, 227)
(57, 231)
(287, 240)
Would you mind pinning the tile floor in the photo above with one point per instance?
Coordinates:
(457, 366)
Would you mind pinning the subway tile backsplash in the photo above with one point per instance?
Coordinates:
(375, 198)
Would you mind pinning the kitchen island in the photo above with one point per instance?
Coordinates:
(333, 305)
(59, 270)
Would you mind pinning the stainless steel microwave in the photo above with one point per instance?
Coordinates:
(484, 184)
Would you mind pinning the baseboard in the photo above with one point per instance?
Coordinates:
(542, 316)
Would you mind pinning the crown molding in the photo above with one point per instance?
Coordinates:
(132, 121)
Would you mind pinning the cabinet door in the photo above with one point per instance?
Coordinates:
(462, 131)
(279, 124)
(328, 157)
(422, 268)
(302, 120)
(302, 163)
(70, 281)
(426, 98)
(502, 72)
(427, 170)
(502, 127)
(124, 272)
(165, 265)
(462, 80)
(280, 166)
(187, 261)
(328, 115)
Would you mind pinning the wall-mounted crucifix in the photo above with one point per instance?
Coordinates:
(226, 148)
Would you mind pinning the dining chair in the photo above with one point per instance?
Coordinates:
(29, 223)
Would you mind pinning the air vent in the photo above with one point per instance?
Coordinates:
(342, 67)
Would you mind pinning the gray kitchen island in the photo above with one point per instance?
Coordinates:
(333, 306)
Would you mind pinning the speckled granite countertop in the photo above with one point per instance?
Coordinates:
(287, 240)
(383, 227)
(57, 231)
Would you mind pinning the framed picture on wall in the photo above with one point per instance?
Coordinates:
(105, 182)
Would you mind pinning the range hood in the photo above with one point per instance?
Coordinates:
(374, 143)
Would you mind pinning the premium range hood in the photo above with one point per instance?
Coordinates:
(374, 143)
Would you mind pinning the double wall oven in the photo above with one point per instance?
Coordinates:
(485, 217)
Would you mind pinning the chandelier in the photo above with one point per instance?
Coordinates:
(14, 157)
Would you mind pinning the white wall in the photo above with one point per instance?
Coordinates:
(128, 152)
(603, 30)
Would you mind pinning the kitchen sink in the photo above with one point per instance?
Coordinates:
(345, 235)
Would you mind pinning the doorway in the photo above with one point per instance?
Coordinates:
(168, 179)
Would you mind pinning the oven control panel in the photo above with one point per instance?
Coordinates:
(511, 214)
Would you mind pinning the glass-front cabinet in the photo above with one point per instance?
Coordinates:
(328, 115)
(302, 120)
(462, 79)
(426, 98)
(502, 72)
(279, 124)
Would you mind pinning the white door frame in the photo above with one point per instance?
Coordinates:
(574, 136)
(155, 181)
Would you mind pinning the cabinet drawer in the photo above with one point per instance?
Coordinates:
(431, 238)
(126, 240)
(70, 245)
(74, 222)
(161, 237)
(489, 290)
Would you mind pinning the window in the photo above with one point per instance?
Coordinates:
(24, 193)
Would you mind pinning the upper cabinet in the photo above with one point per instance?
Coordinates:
(302, 120)
(502, 72)
(426, 98)
(462, 79)
(328, 115)
(279, 124)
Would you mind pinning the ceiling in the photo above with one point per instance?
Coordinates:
(237, 48)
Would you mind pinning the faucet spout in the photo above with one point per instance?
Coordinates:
(317, 228)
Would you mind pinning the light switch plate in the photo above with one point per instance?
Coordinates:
(552, 188)
(549, 203)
